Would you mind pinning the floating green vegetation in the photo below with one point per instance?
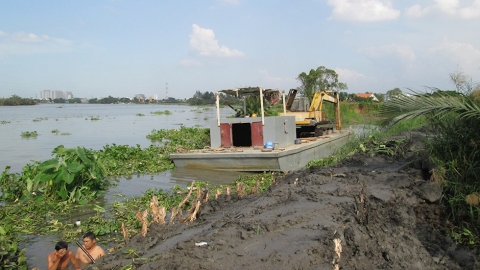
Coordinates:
(65, 133)
(56, 131)
(94, 118)
(29, 134)
(126, 160)
(10, 256)
(140, 114)
(39, 119)
(60, 107)
(205, 118)
(3, 122)
(39, 197)
(187, 138)
(74, 175)
(166, 112)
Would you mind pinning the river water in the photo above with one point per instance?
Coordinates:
(119, 124)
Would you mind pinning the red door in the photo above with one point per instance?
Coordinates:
(257, 134)
(225, 135)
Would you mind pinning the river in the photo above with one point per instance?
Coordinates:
(120, 124)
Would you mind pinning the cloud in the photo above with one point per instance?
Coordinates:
(403, 52)
(348, 75)
(471, 12)
(231, 2)
(464, 55)
(276, 81)
(363, 10)
(22, 43)
(448, 7)
(203, 41)
(190, 63)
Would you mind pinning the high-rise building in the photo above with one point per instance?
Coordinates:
(53, 94)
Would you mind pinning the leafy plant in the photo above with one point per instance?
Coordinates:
(10, 256)
(29, 134)
(74, 175)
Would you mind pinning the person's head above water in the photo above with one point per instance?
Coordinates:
(61, 245)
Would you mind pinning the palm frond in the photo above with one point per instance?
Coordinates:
(437, 106)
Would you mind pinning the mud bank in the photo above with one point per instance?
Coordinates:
(363, 213)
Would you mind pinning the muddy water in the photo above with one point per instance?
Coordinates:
(118, 124)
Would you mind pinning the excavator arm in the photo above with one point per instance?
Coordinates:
(291, 97)
(313, 121)
(315, 109)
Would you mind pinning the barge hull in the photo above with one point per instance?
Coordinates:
(290, 158)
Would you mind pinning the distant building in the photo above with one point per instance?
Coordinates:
(367, 95)
(53, 94)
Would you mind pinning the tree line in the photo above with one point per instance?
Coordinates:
(319, 79)
(16, 101)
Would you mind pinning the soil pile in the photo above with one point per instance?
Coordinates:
(363, 213)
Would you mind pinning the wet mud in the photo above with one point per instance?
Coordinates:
(367, 212)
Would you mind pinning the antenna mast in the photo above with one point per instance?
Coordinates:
(166, 92)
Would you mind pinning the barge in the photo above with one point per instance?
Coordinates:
(255, 144)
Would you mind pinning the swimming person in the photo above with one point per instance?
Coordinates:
(89, 244)
(61, 257)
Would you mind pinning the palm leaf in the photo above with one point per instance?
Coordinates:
(436, 106)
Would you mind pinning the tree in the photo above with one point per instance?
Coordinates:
(319, 79)
(380, 97)
(59, 100)
(343, 96)
(75, 100)
(395, 92)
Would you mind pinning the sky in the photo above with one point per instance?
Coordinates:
(120, 48)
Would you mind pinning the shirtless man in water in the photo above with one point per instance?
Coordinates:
(61, 257)
(95, 251)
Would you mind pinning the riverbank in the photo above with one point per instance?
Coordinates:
(366, 212)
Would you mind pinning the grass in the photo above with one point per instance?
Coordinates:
(372, 140)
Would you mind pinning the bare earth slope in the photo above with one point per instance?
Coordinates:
(384, 213)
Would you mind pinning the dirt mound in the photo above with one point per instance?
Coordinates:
(363, 213)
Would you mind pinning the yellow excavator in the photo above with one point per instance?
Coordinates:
(313, 122)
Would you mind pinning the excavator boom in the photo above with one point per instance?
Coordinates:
(314, 121)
